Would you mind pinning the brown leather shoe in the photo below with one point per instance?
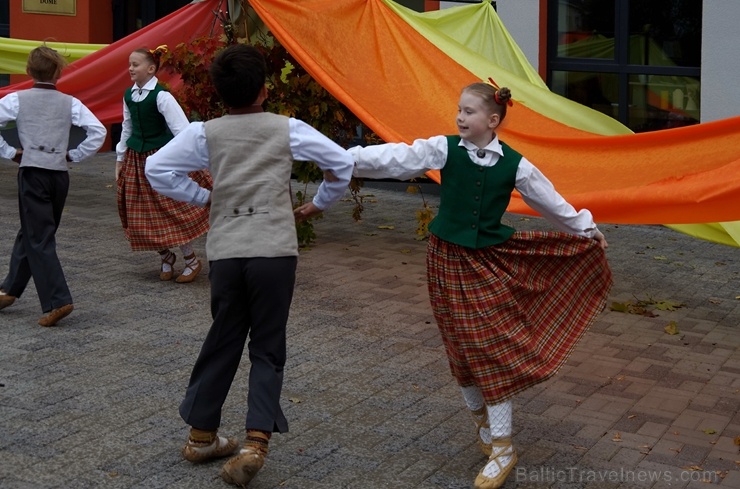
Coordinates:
(241, 469)
(6, 300)
(53, 317)
(194, 268)
(219, 447)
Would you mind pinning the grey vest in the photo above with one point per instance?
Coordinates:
(251, 211)
(44, 119)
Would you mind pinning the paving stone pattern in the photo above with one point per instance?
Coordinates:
(93, 402)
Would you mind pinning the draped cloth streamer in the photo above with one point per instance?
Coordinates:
(677, 176)
(417, 64)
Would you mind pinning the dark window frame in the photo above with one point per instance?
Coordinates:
(619, 65)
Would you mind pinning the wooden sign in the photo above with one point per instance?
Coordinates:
(53, 7)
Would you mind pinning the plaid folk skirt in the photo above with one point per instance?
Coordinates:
(510, 315)
(152, 221)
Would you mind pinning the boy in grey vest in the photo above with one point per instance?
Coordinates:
(252, 249)
(44, 117)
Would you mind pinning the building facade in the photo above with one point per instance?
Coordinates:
(651, 64)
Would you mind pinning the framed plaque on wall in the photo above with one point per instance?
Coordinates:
(53, 7)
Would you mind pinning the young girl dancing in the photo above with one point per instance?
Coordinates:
(151, 221)
(510, 305)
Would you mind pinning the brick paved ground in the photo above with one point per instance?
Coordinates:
(93, 402)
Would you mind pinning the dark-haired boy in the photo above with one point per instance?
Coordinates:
(252, 249)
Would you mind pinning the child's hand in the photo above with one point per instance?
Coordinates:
(18, 154)
(119, 164)
(599, 236)
(306, 211)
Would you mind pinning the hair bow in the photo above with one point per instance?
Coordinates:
(495, 95)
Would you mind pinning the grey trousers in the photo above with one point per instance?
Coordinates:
(41, 197)
(250, 297)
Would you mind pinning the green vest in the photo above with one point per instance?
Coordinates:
(473, 198)
(148, 127)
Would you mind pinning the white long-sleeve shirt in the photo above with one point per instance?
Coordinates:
(405, 161)
(81, 117)
(173, 114)
(168, 168)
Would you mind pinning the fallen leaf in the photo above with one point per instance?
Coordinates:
(715, 301)
(617, 436)
(631, 416)
(579, 447)
(662, 258)
(737, 440)
(620, 306)
(677, 450)
(295, 400)
(709, 431)
(671, 328)
(386, 227)
(668, 305)
(692, 467)
(412, 189)
(109, 186)
(405, 251)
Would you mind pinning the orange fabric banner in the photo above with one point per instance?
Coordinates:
(99, 79)
(403, 87)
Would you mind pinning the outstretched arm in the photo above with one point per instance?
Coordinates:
(308, 144)
(167, 169)
(400, 160)
(540, 194)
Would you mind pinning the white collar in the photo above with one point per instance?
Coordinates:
(150, 85)
(494, 146)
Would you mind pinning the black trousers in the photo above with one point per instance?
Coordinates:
(250, 297)
(41, 197)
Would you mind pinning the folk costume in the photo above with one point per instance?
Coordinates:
(252, 248)
(44, 117)
(510, 306)
(151, 221)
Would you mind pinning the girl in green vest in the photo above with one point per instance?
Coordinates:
(510, 305)
(151, 221)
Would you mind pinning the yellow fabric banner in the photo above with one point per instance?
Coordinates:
(14, 52)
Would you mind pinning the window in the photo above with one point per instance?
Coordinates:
(635, 60)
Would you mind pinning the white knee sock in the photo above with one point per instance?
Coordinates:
(473, 397)
(500, 419)
(187, 249)
(474, 400)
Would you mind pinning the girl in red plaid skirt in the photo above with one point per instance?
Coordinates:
(510, 306)
(151, 221)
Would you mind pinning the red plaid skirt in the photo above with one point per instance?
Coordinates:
(510, 315)
(152, 221)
